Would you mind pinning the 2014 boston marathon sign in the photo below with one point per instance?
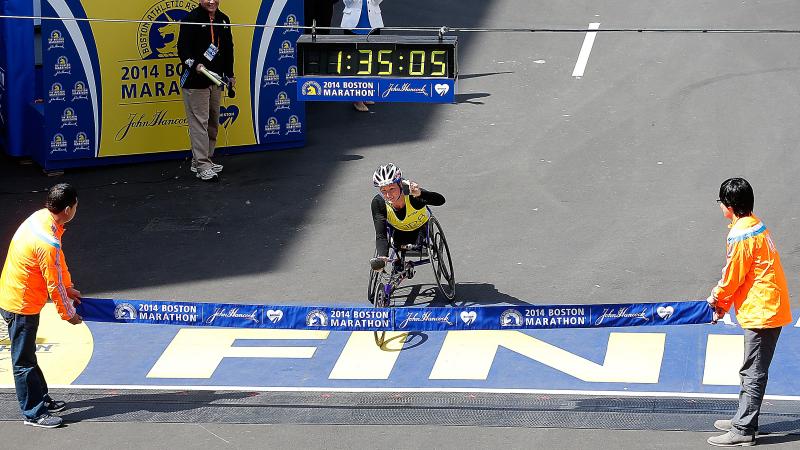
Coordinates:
(113, 88)
(383, 68)
(333, 318)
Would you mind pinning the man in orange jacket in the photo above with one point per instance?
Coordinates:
(752, 281)
(34, 271)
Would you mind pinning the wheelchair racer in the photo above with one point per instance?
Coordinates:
(402, 205)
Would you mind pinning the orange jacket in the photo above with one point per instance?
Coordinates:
(753, 278)
(35, 269)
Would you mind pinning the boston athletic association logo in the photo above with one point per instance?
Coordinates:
(286, 50)
(56, 93)
(69, 118)
(79, 91)
(272, 127)
(311, 89)
(271, 78)
(293, 125)
(81, 142)
(160, 40)
(317, 318)
(510, 318)
(58, 143)
(56, 40)
(291, 75)
(291, 24)
(62, 66)
(125, 311)
(282, 101)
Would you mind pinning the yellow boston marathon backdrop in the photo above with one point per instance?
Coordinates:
(63, 350)
(142, 108)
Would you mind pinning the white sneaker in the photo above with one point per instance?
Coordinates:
(45, 421)
(208, 175)
(217, 168)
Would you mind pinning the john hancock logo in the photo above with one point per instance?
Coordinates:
(405, 88)
(56, 93)
(58, 143)
(81, 142)
(293, 125)
(69, 118)
(56, 40)
(160, 40)
(271, 78)
(291, 75)
(79, 91)
(426, 317)
(317, 318)
(63, 66)
(311, 89)
(272, 127)
(282, 101)
(291, 24)
(622, 313)
(286, 50)
(234, 314)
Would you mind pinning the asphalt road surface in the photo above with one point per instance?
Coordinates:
(560, 189)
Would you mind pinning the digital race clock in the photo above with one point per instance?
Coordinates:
(377, 68)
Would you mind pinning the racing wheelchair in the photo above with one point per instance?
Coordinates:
(431, 248)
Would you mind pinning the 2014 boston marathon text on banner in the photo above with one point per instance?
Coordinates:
(530, 317)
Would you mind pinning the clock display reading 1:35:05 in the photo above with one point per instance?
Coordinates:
(406, 61)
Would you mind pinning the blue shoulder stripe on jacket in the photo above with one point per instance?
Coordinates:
(747, 233)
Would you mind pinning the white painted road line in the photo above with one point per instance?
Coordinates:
(586, 48)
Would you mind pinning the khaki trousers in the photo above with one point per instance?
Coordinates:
(202, 113)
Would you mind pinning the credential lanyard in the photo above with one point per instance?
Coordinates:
(213, 41)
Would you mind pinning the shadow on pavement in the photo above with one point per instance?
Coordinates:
(154, 224)
(128, 407)
(467, 295)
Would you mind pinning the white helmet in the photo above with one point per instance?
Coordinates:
(386, 175)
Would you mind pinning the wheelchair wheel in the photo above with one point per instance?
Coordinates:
(442, 265)
(374, 279)
(379, 299)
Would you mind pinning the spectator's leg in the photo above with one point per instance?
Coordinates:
(27, 375)
(759, 347)
(45, 389)
(213, 119)
(196, 102)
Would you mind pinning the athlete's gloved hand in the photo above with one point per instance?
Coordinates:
(378, 263)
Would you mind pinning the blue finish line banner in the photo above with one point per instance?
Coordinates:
(415, 90)
(530, 317)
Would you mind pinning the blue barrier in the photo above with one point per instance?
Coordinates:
(334, 318)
